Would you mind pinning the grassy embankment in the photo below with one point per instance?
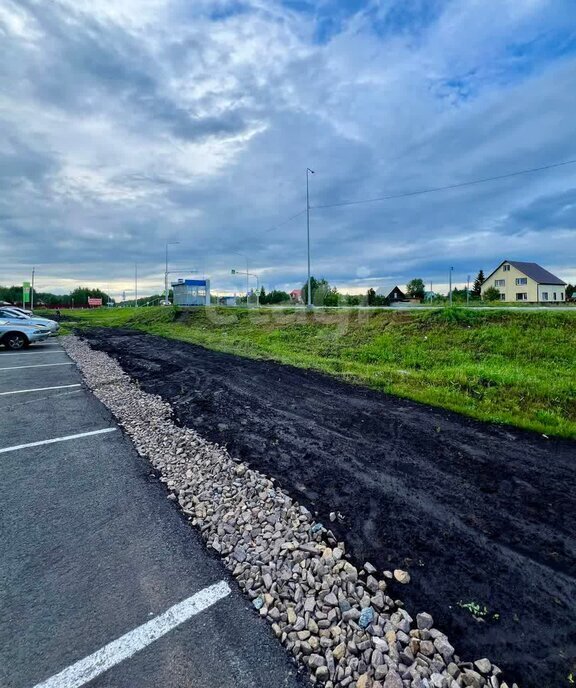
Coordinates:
(508, 367)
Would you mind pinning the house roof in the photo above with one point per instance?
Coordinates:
(532, 270)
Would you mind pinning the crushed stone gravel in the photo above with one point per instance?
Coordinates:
(336, 620)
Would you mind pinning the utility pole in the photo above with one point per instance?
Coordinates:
(468, 290)
(309, 295)
(451, 269)
(135, 285)
(32, 291)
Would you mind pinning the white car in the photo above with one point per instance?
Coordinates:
(18, 336)
(12, 315)
(23, 311)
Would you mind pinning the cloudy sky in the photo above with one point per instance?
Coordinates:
(124, 125)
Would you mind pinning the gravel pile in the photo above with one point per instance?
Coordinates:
(337, 620)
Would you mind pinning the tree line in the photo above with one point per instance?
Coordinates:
(78, 298)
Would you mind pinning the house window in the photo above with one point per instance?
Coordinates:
(521, 296)
(544, 296)
(561, 296)
(499, 283)
(521, 280)
(502, 297)
(506, 268)
(554, 296)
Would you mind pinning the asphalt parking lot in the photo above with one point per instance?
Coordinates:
(101, 580)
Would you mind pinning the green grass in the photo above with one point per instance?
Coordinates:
(509, 367)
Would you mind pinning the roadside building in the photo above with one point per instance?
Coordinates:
(190, 292)
(525, 282)
(396, 295)
(296, 295)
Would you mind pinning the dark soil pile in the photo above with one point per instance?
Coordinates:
(483, 517)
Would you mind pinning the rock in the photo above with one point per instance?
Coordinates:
(291, 615)
(484, 666)
(331, 599)
(472, 678)
(339, 651)
(372, 584)
(393, 680)
(364, 681)
(316, 661)
(239, 554)
(444, 648)
(438, 681)
(380, 672)
(427, 648)
(366, 617)
(258, 603)
(424, 621)
(402, 577)
(322, 674)
(299, 624)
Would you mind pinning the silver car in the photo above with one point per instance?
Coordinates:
(17, 336)
(12, 315)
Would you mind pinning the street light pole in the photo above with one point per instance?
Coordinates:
(168, 243)
(32, 291)
(309, 295)
(135, 285)
(451, 285)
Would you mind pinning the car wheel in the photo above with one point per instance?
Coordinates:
(15, 341)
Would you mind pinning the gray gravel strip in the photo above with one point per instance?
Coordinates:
(337, 621)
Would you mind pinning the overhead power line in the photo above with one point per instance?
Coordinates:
(445, 188)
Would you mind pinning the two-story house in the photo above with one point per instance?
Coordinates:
(528, 282)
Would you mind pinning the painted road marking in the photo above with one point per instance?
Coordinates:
(37, 389)
(132, 642)
(57, 439)
(39, 365)
(33, 353)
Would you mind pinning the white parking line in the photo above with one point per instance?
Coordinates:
(38, 365)
(129, 644)
(32, 353)
(56, 439)
(37, 389)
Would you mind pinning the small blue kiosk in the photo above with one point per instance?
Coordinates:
(191, 292)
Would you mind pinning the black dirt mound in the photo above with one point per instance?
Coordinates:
(483, 517)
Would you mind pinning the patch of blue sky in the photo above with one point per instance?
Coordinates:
(547, 47)
(516, 62)
(228, 9)
(330, 16)
(406, 17)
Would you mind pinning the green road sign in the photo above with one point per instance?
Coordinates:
(25, 292)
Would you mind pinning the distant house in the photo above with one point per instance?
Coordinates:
(296, 295)
(525, 282)
(396, 295)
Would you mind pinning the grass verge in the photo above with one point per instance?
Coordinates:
(508, 367)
